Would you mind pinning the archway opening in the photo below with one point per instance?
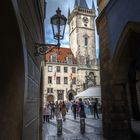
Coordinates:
(71, 97)
(126, 78)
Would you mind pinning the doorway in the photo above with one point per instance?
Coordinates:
(71, 97)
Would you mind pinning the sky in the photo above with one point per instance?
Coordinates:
(64, 5)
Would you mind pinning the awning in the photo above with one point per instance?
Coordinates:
(94, 92)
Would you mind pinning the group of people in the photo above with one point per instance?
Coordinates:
(79, 108)
(57, 109)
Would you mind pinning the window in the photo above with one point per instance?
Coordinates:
(49, 80)
(65, 80)
(74, 80)
(53, 58)
(65, 69)
(73, 70)
(49, 90)
(58, 68)
(49, 68)
(86, 41)
(60, 94)
(57, 80)
(87, 61)
(69, 60)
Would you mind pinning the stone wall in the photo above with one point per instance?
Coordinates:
(20, 101)
(114, 102)
(32, 20)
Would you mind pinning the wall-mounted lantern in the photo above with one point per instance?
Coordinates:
(58, 23)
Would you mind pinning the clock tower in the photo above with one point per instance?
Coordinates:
(82, 39)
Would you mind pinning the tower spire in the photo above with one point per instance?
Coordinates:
(68, 12)
(83, 4)
(76, 4)
(93, 6)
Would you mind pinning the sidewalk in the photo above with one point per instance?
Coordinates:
(71, 129)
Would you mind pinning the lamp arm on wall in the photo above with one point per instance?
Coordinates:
(42, 48)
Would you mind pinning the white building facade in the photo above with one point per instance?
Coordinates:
(60, 73)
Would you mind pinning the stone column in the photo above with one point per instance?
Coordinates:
(116, 124)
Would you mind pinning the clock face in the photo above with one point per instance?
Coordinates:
(85, 19)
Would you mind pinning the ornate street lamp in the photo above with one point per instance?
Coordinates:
(58, 23)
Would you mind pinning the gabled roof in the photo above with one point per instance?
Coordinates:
(61, 55)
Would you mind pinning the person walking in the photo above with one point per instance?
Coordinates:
(52, 109)
(77, 109)
(95, 109)
(67, 105)
(48, 113)
(44, 114)
(81, 109)
(74, 109)
(63, 110)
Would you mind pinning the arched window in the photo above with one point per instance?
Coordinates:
(86, 41)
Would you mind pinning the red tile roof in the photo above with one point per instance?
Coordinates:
(61, 55)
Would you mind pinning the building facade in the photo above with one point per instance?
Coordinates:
(60, 74)
(119, 33)
(82, 42)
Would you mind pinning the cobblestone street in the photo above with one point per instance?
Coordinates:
(71, 129)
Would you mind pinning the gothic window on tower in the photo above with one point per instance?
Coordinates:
(87, 61)
(86, 41)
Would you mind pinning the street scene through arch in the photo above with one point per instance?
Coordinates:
(70, 70)
(30, 82)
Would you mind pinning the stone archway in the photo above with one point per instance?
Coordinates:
(126, 63)
(12, 73)
(70, 95)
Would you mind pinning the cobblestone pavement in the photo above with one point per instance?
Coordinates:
(71, 129)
